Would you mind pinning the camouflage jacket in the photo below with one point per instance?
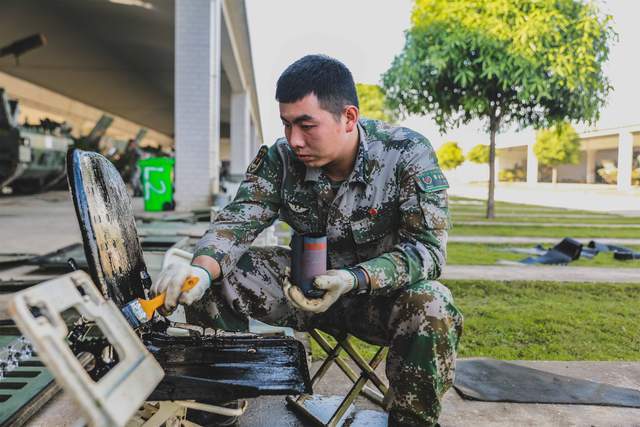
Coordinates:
(390, 216)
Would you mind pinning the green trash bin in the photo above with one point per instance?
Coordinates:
(156, 174)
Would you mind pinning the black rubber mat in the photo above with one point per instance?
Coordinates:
(223, 368)
(620, 253)
(498, 381)
(563, 253)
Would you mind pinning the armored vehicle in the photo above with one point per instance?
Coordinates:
(32, 157)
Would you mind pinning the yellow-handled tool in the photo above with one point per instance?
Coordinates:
(140, 311)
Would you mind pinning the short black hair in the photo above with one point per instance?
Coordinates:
(329, 79)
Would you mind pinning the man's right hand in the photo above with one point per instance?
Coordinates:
(171, 280)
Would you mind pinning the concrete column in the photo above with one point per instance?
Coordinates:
(625, 160)
(591, 166)
(532, 166)
(252, 138)
(255, 144)
(241, 143)
(197, 101)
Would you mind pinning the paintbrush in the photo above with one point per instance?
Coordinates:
(140, 311)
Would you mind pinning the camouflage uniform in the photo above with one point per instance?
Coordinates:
(389, 217)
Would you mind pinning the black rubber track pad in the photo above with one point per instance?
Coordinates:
(497, 381)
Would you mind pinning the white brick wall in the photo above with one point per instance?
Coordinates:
(197, 101)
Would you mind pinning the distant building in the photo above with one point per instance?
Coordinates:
(608, 156)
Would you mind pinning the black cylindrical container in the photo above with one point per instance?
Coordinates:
(308, 260)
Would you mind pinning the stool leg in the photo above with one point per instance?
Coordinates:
(357, 388)
(368, 368)
(359, 381)
(324, 344)
(332, 356)
(344, 343)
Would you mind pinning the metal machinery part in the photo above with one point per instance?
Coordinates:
(117, 395)
(108, 227)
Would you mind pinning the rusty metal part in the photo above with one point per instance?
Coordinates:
(108, 227)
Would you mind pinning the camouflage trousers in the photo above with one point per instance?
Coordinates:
(419, 323)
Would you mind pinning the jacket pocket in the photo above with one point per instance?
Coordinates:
(435, 209)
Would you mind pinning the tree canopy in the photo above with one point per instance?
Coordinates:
(450, 155)
(479, 154)
(373, 103)
(505, 62)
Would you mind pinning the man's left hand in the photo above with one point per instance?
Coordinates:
(335, 282)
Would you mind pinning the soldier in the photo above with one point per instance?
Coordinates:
(377, 193)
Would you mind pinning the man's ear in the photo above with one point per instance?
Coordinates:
(352, 114)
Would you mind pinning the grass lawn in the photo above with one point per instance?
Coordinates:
(545, 320)
(533, 231)
(489, 254)
(549, 321)
(474, 210)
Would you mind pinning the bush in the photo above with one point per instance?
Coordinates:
(450, 155)
(517, 174)
(479, 154)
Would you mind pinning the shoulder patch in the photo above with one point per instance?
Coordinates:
(255, 164)
(431, 180)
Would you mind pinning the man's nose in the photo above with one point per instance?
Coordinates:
(295, 138)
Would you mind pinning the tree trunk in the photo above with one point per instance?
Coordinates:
(492, 169)
(554, 176)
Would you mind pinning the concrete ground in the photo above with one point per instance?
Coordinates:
(589, 197)
(459, 412)
(560, 273)
(516, 240)
(43, 223)
(456, 412)
(546, 224)
(37, 224)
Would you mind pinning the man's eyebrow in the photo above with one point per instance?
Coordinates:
(302, 118)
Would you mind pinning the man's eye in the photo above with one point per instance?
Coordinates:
(286, 125)
(307, 127)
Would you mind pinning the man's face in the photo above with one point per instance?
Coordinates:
(315, 135)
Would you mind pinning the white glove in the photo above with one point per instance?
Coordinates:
(335, 282)
(172, 277)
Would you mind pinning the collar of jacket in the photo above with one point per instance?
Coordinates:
(360, 169)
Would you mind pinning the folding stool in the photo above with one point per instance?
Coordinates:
(319, 410)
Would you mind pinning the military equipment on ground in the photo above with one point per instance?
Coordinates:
(32, 157)
(91, 142)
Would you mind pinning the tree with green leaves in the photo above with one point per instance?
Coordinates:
(557, 146)
(479, 154)
(450, 155)
(505, 62)
(373, 104)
